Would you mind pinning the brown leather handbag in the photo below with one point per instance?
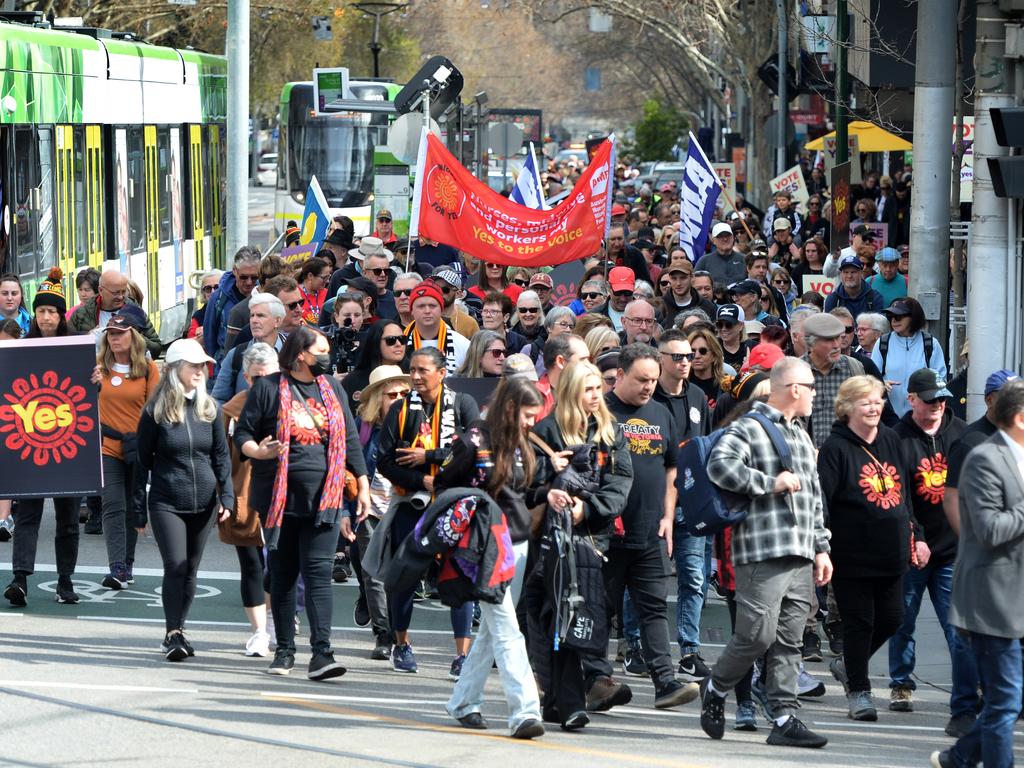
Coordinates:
(242, 528)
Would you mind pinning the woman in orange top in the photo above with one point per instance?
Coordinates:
(126, 380)
(313, 279)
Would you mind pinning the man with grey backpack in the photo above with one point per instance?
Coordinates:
(784, 531)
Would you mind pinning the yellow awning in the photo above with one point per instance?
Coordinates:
(870, 138)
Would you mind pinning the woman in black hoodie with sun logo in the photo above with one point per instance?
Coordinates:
(874, 535)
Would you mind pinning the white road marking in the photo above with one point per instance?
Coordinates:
(96, 687)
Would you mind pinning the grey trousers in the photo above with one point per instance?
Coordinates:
(773, 599)
(376, 599)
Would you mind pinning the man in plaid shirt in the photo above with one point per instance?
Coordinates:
(772, 553)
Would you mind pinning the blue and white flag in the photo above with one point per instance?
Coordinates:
(529, 190)
(697, 197)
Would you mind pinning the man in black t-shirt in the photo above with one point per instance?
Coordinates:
(639, 559)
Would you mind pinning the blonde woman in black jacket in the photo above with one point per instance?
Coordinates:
(181, 432)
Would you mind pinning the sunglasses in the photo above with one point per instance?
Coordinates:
(781, 281)
(496, 352)
(590, 295)
(396, 395)
(529, 310)
(700, 350)
(378, 271)
(521, 283)
(664, 284)
(678, 357)
(246, 279)
(354, 295)
(849, 329)
(765, 298)
(721, 325)
(384, 219)
(209, 288)
(392, 341)
(610, 380)
(294, 304)
(622, 294)
(404, 292)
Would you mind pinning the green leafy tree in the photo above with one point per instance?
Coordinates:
(657, 132)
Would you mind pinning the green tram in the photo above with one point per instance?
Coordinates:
(112, 154)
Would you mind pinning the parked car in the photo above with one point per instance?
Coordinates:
(266, 170)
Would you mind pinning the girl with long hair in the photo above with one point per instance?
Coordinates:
(126, 379)
(493, 277)
(495, 455)
(580, 421)
(485, 355)
(313, 278)
(181, 432)
(708, 359)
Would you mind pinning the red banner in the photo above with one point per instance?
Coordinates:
(453, 207)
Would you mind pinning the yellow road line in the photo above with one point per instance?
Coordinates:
(539, 744)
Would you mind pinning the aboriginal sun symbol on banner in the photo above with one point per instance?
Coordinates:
(43, 417)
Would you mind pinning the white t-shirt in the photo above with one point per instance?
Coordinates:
(616, 317)
(460, 346)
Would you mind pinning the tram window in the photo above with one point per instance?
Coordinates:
(207, 181)
(45, 236)
(26, 178)
(163, 161)
(79, 192)
(136, 191)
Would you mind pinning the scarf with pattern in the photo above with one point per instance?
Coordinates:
(334, 482)
(413, 341)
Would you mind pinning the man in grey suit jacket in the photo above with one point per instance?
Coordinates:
(988, 602)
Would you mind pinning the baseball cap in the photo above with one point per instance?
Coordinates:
(121, 323)
(887, 254)
(864, 231)
(753, 326)
(447, 274)
(928, 385)
(519, 364)
(189, 351)
(745, 286)
(721, 228)
(680, 265)
(848, 262)
(824, 326)
(765, 355)
(621, 279)
(904, 249)
(618, 210)
(897, 308)
(666, 187)
(730, 313)
(996, 381)
(541, 279)
(781, 223)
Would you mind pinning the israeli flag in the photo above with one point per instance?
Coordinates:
(316, 217)
(697, 197)
(529, 190)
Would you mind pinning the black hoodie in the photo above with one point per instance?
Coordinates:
(927, 459)
(689, 409)
(866, 505)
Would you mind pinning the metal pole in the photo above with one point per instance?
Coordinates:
(989, 246)
(933, 118)
(375, 45)
(842, 82)
(783, 113)
(238, 125)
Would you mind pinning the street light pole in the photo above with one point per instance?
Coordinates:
(237, 44)
(377, 9)
(783, 114)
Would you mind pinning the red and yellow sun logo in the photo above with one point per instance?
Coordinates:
(446, 191)
(45, 418)
(881, 484)
(930, 477)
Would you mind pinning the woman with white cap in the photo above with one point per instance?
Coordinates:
(181, 432)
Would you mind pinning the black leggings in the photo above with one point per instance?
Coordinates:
(250, 565)
(872, 610)
(181, 537)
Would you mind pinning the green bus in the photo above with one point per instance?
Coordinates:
(112, 154)
(346, 151)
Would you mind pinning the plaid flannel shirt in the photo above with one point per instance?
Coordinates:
(744, 461)
(823, 412)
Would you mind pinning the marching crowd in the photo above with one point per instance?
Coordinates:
(412, 417)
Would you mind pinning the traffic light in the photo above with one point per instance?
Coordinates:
(1008, 172)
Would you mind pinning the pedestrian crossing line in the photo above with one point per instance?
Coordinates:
(96, 687)
(543, 744)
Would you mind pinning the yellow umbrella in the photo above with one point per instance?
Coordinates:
(870, 138)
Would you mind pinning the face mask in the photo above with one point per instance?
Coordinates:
(321, 365)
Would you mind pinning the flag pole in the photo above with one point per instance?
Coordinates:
(414, 216)
(721, 185)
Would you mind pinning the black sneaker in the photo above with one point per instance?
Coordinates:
(674, 693)
(960, 725)
(361, 613)
(340, 569)
(323, 667)
(712, 711)
(282, 664)
(66, 594)
(633, 664)
(16, 592)
(812, 647)
(94, 525)
(382, 648)
(794, 733)
(942, 759)
(692, 668)
(188, 646)
(576, 721)
(474, 721)
(174, 646)
(529, 729)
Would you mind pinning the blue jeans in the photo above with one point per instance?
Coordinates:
(630, 625)
(938, 580)
(991, 739)
(692, 555)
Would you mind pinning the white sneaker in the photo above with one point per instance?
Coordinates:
(258, 645)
